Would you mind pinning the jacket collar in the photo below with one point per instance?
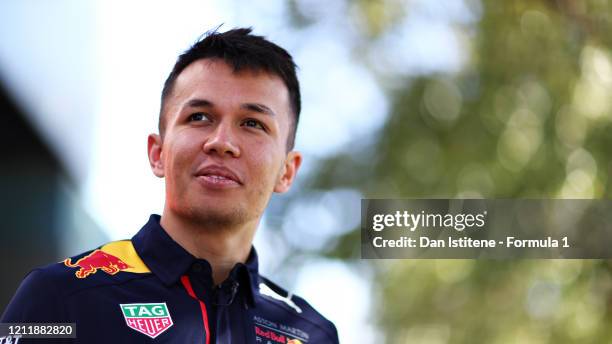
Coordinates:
(169, 261)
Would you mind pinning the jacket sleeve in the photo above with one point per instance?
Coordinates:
(334, 334)
(37, 300)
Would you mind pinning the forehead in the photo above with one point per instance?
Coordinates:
(217, 81)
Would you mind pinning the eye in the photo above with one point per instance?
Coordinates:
(253, 123)
(198, 116)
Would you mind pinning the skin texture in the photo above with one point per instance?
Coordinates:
(222, 123)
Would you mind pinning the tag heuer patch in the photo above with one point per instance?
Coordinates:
(148, 318)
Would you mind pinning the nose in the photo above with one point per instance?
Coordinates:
(221, 142)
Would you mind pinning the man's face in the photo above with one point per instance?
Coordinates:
(224, 147)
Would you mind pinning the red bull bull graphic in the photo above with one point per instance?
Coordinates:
(98, 259)
(150, 319)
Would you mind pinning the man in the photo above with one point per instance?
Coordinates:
(228, 118)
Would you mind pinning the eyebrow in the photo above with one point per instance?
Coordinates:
(200, 103)
(256, 107)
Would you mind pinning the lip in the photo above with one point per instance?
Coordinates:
(218, 176)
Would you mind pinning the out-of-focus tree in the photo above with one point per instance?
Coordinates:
(528, 115)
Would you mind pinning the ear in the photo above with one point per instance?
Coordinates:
(154, 148)
(289, 171)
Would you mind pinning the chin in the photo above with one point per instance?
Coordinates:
(216, 216)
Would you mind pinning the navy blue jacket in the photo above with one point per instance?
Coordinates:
(150, 290)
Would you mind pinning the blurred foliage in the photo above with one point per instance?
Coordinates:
(529, 115)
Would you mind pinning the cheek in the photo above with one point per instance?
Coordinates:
(179, 157)
(267, 161)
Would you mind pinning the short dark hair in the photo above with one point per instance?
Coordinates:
(242, 50)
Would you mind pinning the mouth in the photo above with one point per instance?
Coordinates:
(218, 176)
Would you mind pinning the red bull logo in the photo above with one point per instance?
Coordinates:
(294, 341)
(98, 259)
(279, 338)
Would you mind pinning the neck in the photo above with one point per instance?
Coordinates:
(221, 247)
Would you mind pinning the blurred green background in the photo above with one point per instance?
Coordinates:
(527, 115)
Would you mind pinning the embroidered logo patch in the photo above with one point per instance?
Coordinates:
(97, 260)
(271, 332)
(150, 319)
